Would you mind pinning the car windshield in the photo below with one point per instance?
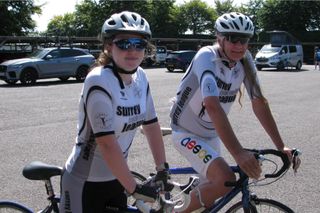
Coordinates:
(270, 49)
(39, 53)
(173, 55)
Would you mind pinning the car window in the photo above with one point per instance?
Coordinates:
(161, 50)
(293, 49)
(173, 55)
(284, 50)
(55, 54)
(190, 55)
(71, 52)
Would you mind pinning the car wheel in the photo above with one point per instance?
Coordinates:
(186, 67)
(280, 66)
(64, 79)
(28, 77)
(170, 69)
(299, 65)
(259, 68)
(11, 82)
(81, 73)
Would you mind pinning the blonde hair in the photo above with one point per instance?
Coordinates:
(251, 77)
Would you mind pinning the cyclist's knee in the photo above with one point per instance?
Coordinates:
(219, 169)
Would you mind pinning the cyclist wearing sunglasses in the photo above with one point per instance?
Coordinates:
(114, 102)
(205, 95)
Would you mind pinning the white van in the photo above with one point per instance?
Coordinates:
(161, 54)
(280, 56)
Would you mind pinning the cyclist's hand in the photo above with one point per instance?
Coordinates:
(249, 164)
(293, 155)
(145, 193)
(162, 177)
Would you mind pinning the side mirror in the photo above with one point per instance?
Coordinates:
(48, 57)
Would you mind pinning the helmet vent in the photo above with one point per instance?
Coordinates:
(112, 22)
(134, 17)
(241, 20)
(235, 25)
(124, 18)
(247, 26)
(225, 26)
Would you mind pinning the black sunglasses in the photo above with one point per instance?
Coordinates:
(235, 39)
(136, 43)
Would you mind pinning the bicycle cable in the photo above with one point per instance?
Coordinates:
(256, 182)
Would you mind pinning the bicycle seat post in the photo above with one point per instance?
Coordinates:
(49, 188)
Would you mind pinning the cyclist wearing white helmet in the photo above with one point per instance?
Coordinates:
(205, 95)
(115, 101)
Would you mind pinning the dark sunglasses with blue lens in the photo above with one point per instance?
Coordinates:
(135, 43)
(236, 38)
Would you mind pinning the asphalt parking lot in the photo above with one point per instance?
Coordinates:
(39, 123)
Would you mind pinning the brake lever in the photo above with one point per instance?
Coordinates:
(296, 160)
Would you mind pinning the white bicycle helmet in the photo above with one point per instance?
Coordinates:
(234, 23)
(125, 22)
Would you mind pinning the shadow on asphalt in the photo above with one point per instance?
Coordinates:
(41, 84)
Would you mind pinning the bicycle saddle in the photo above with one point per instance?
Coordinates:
(37, 170)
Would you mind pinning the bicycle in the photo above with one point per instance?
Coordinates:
(44, 172)
(250, 202)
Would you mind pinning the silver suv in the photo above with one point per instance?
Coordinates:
(55, 62)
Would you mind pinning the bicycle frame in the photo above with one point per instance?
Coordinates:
(221, 202)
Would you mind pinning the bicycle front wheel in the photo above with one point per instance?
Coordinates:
(261, 206)
(12, 207)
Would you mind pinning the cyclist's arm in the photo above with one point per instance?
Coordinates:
(113, 156)
(154, 137)
(223, 127)
(263, 113)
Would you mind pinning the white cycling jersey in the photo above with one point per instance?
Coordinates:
(207, 75)
(107, 106)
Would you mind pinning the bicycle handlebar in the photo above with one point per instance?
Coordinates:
(165, 206)
(259, 153)
(184, 189)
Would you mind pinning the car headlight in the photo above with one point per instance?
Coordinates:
(17, 66)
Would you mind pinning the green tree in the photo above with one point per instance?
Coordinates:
(163, 18)
(291, 16)
(198, 17)
(63, 25)
(15, 17)
(224, 6)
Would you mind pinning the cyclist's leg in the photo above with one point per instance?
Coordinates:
(71, 194)
(204, 156)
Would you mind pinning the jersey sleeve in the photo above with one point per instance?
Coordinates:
(203, 65)
(151, 115)
(208, 85)
(100, 111)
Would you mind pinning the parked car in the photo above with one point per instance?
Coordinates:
(156, 56)
(54, 62)
(279, 56)
(161, 54)
(179, 59)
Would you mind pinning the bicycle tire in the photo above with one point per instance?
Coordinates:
(12, 207)
(259, 205)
